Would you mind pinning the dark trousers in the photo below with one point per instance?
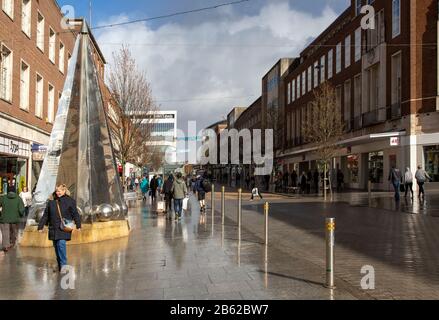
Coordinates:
(61, 252)
(421, 188)
(153, 194)
(407, 187)
(168, 202)
(396, 186)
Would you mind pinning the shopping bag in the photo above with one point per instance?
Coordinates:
(185, 204)
(160, 206)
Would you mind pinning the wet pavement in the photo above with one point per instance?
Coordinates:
(197, 259)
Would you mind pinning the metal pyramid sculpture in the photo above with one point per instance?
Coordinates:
(80, 153)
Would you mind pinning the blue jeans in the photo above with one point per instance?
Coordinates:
(397, 185)
(178, 206)
(61, 252)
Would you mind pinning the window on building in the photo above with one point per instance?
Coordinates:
(52, 45)
(40, 32)
(8, 8)
(357, 96)
(6, 65)
(24, 86)
(293, 91)
(431, 154)
(358, 44)
(309, 79)
(316, 74)
(396, 18)
(330, 63)
(299, 87)
(288, 128)
(376, 36)
(338, 98)
(62, 56)
(289, 93)
(358, 6)
(303, 83)
(347, 100)
(338, 58)
(51, 104)
(347, 51)
(26, 17)
(396, 85)
(322, 69)
(39, 97)
(373, 88)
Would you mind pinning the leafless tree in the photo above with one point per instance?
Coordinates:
(324, 127)
(131, 92)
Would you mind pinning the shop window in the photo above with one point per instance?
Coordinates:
(376, 167)
(431, 154)
(352, 168)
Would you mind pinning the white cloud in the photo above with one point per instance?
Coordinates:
(214, 60)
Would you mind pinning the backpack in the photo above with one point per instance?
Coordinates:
(206, 186)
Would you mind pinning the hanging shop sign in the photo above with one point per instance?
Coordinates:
(395, 141)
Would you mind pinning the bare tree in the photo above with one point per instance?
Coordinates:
(131, 92)
(324, 127)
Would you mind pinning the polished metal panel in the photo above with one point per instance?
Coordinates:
(80, 152)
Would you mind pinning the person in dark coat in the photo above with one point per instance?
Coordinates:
(153, 185)
(316, 181)
(51, 217)
(294, 179)
(167, 191)
(303, 183)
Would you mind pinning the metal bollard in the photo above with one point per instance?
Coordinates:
(212, 201)
(239, 213)
(330, 239)
(223, 204)
(266, 210)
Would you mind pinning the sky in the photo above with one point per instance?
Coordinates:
(204, 64)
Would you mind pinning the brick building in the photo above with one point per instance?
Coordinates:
(386, 82)
(34, 54)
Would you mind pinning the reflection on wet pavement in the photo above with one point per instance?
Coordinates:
(195, 258)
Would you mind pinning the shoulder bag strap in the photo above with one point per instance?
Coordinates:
(59, 211)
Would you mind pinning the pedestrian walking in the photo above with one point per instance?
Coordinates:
(309, 181)
(421, 177)
(153, 188)
(247, 181)
(408, 182)
(294, 179)
(26, 197)
(144, 187)
(395, 179)
(179, 191)
(303, 183)
(201, 192)
(60, 213)
(286, 177)
(11, 210)
(255, 191)
(316, 181)
(340, 181)
(167, 192)
(136, 183)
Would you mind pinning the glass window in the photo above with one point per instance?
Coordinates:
(396, 18)
(347, 54)
(376, 167)
(330, 63)
(26, 17)
(358, 44)
(431, 154)
(338, 58)
(353, 168)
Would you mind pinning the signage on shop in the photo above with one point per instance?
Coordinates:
(14, 147)
(38, 152)
(395, 141)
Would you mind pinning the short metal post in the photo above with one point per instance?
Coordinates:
(223, 204)
(266, 210)
(239, 213)
(212, 201)
(330, 239)
(369, 189)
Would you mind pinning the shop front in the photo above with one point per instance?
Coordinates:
(14, 163)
